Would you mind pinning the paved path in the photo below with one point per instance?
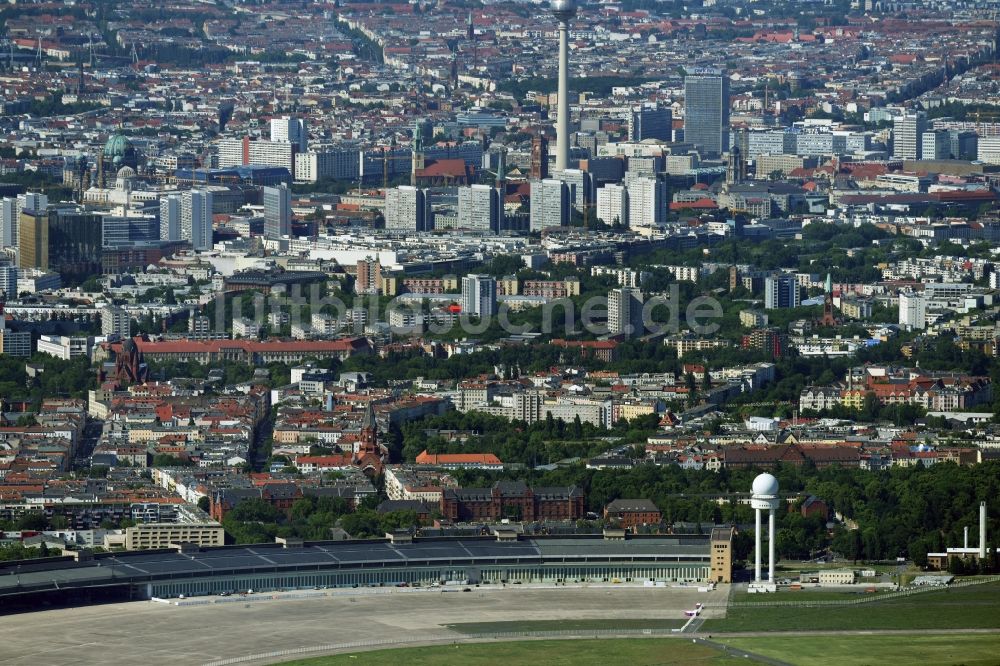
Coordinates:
(737, 652)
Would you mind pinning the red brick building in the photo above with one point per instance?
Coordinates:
(814, 506)
(632, 513)
(513, 500)
(603, 350)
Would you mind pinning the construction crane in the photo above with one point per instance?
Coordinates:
(386, 158)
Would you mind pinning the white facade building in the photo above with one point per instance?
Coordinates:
(989, 149)
(625, 312)
(912, 310)
(317, 165)
(406, 209)
(115, 321)
(907, 135)
(549, 204)
(612, 204)
(290, 130)
(479, 208)
(647, 202)
(479, 295)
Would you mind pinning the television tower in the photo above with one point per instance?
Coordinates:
(564, 11)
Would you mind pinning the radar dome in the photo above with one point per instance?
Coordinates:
(765, 484)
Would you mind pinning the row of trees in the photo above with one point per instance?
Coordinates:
(312, 518)
(898, 512)
(58, 378)
(542, 442)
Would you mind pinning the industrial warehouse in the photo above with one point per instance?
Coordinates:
(400, 559)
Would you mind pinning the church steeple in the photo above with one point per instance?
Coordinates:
(368, 423)
(370, 456)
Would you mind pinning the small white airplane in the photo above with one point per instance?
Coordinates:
(695, 612)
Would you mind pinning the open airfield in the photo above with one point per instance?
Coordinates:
(156, 633)
(448, 627)
(824, 650)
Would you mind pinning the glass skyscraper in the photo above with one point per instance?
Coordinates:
(706, 111)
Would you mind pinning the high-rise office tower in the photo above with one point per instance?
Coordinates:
(706, 111)
(277, 211)
(10, 214)
(625, 312)
(580, 184)
(964, 144)
(479, 208)
(912, 310)
(781, 291)
(368, 277)
(32, 201)
(650, 121)
(65, 240)
(8, 281)
(406, 209)
(479, 295)
(8, 222)
(647, 202)
(907, 132)
(549, 204)
(196, 219)
(170, 217)
(290, 130)
(935, 145)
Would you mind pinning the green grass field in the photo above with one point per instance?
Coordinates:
(976, 607)
(638, 652)
(893, 650)
(561, 625)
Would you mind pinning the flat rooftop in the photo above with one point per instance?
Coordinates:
(142, 566)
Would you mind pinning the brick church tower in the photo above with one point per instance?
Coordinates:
(371, 455)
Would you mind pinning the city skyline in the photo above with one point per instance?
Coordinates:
(500, 321)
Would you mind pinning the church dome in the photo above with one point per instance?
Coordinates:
(119, 152)
(118, 145)
(126, 172)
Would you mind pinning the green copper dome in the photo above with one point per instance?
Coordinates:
(119, 149)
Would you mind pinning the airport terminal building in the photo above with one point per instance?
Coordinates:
(506, 558)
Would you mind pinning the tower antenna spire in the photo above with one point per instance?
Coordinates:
(563, 11)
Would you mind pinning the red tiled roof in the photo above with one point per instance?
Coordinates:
(457, 459)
